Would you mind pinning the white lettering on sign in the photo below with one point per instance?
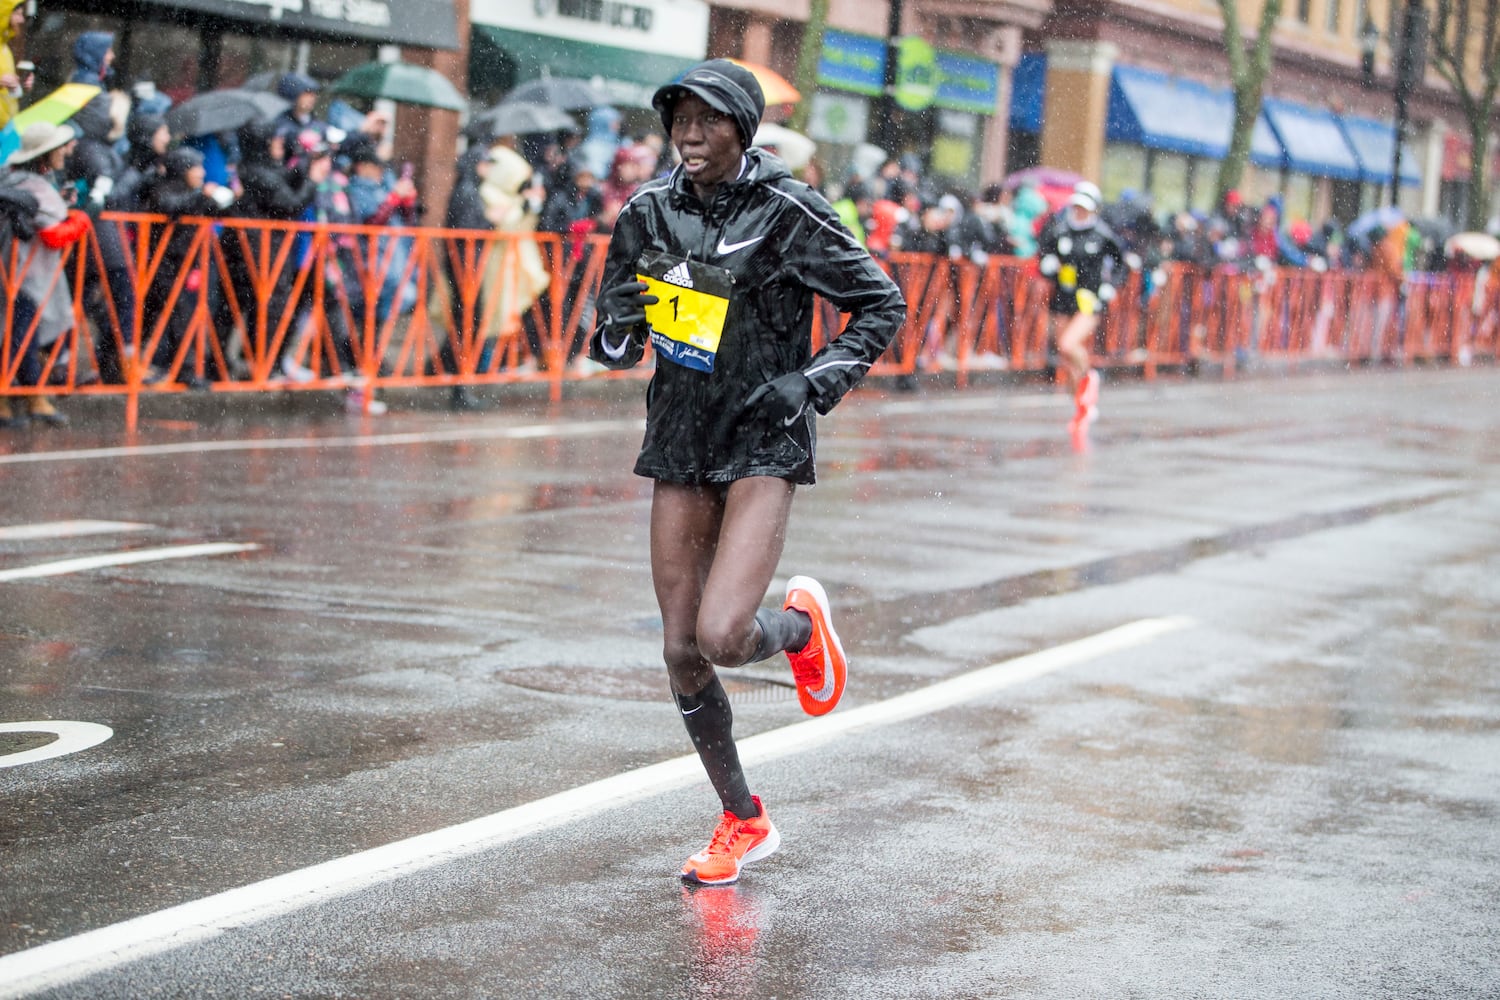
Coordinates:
(277, 7)
(373, 13)
(611, 13)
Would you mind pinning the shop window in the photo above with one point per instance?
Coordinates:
(244, 56)
(1298, 203)
(1205, 183)
(1331, 11)
(1258, 184)
(49, 44)
(167, 55)
(1123, 169)
(1168, 181)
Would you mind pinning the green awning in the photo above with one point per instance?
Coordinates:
(500, 58)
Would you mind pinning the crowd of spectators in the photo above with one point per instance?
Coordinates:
(322, 161)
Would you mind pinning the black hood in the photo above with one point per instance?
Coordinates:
(92, 120)
(724, 86)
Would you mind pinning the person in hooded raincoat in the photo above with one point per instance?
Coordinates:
(94, 168)
(94, 59)
(716, 266)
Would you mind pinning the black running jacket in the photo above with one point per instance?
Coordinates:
(781, 242)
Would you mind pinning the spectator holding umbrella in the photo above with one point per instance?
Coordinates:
(302, 91)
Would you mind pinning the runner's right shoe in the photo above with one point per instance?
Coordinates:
(820, 668)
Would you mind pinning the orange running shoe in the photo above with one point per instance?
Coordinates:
(1087, 396)
(735, 842)
(820, 667)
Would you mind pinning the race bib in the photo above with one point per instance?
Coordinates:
(692, 300)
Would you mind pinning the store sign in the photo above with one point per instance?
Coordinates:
(668, 27)
(855, 63)
(966, 83)
(916, 74)
(839, 118)
(925, 77)
(426, 23)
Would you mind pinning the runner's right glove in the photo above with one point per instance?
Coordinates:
(625, 305)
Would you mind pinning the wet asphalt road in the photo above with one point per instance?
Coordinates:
(1290, 791)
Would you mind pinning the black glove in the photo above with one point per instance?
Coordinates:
(625, 305)
(782, 400)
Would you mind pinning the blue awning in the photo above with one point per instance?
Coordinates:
(1028, 81)
(1313, 141)
(1183, 116)
(1374, 145)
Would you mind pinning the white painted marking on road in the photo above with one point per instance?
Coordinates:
(581, 429)
(987, 401)
(83, 563)
(66, 529)
(71, 738)
(68, 960)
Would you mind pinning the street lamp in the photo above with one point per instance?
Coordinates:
(1411, 65)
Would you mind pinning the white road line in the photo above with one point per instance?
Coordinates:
(66, 529)
(71, 738)
(68, 960)
(350, 441)
(64, 566)
(993, 402)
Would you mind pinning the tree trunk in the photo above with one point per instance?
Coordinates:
(1477, 212)
(1247, 73)
(807, 62)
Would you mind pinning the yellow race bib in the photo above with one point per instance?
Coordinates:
(687, 319)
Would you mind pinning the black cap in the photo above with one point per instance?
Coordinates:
(724, 86)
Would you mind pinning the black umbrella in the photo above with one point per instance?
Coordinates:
(566, 92)
(223, 111)
(523, 119)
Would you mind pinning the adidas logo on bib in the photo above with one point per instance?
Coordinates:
(679, 276)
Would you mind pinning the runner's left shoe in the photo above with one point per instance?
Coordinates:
(820, 667)
(736, 842)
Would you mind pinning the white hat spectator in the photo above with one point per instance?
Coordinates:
(40, 139)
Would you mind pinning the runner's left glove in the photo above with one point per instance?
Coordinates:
(783, 399)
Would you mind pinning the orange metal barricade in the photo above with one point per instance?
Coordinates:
(235, 305)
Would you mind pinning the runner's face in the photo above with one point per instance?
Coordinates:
(708, 142)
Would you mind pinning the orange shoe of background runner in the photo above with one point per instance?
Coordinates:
(1087, 396)
(820, 667)
(735, 843)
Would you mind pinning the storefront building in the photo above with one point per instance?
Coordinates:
(627, 48)
(187, 46)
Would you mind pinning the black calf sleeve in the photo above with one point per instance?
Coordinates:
(709, 722)
(779, 631)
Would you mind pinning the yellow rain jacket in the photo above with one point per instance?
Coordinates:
(9, 105)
